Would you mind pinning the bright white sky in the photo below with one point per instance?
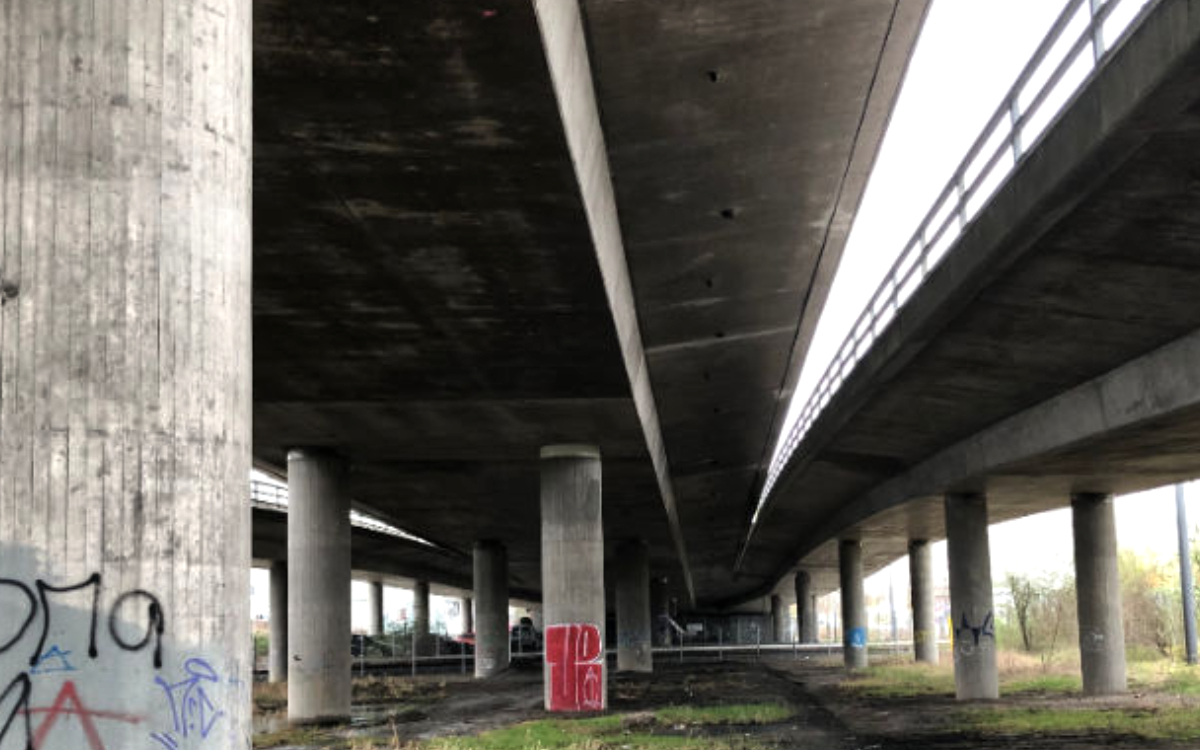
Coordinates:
(969, 54)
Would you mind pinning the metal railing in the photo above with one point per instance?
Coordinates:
(275, 497)
(1058, 69)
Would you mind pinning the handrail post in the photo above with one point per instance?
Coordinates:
(1014, 115)
(1097, 28)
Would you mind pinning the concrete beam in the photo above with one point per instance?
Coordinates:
(1098, 595)
(565, 45)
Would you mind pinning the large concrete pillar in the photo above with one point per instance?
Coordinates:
(124, 363)
(318, 588)
(375, 608)
(779, 618)
(421, 637)
(467, 607)
(277, 655)
(491, 596)
(975, 670)
(806, 608)
(634, 652)
(573, 579)
(920, 570)
(854, 608)
(1098, 595)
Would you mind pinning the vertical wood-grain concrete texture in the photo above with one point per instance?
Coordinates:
(634, 628)
(976, 675)
(491, 595)
(1098, 595)
(375, 608)
(125, 357)
(318, 587)
(854, 608)
(806, 608)
(920, 573)
(573, 578)
(277, 646)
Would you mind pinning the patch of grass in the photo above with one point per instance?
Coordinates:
(269, 696)
(902, 681)
(397, 689)
(1046, 684)
(751, 713)
(1154, 724)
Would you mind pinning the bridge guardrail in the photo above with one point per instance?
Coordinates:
(1059, 68)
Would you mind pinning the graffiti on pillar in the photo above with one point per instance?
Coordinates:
(575, 654)
(970, 639)
(35, 609)
(1091, 641)
(857, 637)
(192, 710)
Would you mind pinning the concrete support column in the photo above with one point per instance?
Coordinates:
(633, 608)
(467, 605)
(573, 579)
(124, 361)
(920, 570)
(975, 671)
(318, 588)
(854, 608)
(277, 655)
(806, 608)
(660, 611)
(421, 638)
(1098, 595)
(375, 608)
(491, 593)
(779, 619)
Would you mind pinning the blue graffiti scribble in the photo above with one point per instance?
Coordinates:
(192, 710)
(53, 660)
(858, 638)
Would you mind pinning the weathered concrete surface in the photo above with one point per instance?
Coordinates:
(422, 642)
(491, 592)
(1010, 371)
(806, 608)
(634, 647)
(420, 221)
(920, 567)
(1098, 595)
(854, 608)
(318, 587)
(976, 672)
(573, 579)
(277, 645)
(125, 276)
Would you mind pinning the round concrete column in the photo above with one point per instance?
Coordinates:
(125, 361)
(806, 608)
(421, 637)
(467, 605)
(779, 618)
(1098, 595)
(634, 652)
(975, 671)
(277, 655)
(920, 570)
(491, 595)
(375, 608)
(318, 588)
(573, 579)
(854, 608)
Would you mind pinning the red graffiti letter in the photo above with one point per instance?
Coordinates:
(575, 654)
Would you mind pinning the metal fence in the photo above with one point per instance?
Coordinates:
(1085, 34)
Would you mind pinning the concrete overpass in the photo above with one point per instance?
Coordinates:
(1050, 354)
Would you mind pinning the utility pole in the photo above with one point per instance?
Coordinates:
(1185, 576)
